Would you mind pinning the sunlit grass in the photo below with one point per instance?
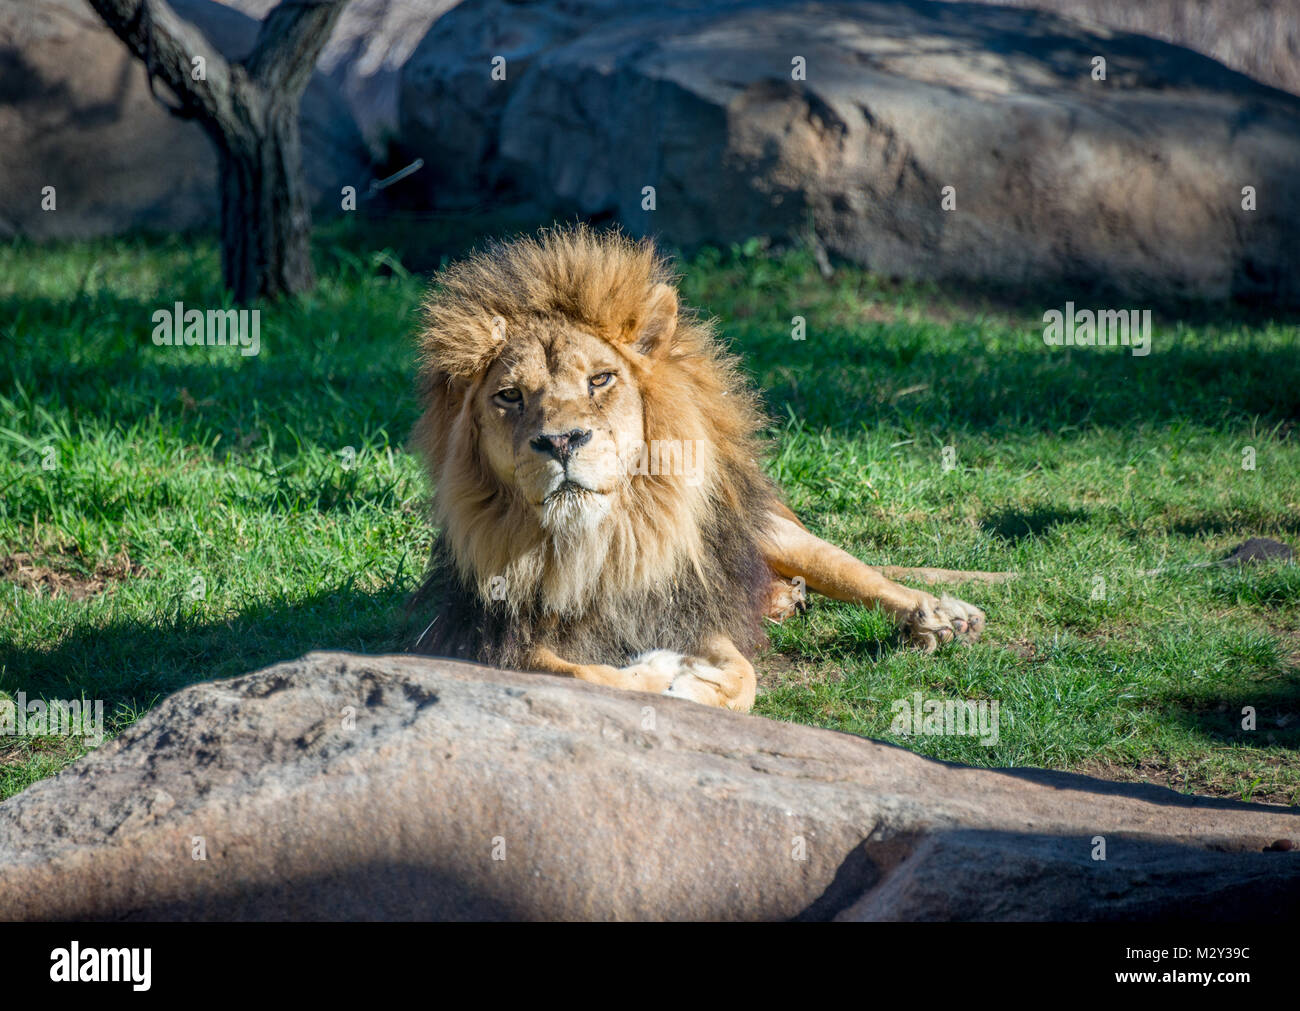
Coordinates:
(170, 515)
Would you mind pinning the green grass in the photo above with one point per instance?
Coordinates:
(198, 517)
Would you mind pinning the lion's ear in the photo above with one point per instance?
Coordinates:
(655, 334)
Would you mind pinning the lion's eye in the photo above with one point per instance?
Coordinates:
(604, 379)
(510, 395)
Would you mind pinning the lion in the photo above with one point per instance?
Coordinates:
(603, 512)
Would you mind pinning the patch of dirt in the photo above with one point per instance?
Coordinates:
(64, 576)
(782, 670)
(1142, 772)
(1026, 649)
(17, 751)
(1290, 643)
(1157, 774)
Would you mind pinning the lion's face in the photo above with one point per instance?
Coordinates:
(560, 417)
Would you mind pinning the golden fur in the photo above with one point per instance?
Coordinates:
(548, 365)
(691, 393)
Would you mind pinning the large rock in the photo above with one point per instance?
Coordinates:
(1133, 184)
(76, 114)
(1258, 37)
(343, 786)
(365, 52)
(450, 106)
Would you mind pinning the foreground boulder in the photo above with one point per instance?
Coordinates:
(340, 786)
(852, 121)
(76, 114)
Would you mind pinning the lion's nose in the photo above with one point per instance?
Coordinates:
(564, 445)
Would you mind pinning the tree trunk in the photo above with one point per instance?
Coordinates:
(249, 109)
(265, 220)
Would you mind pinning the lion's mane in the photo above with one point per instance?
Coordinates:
(674, 563)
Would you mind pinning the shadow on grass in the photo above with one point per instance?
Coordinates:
(348, 348)
(297, 392)
(1033, 390)
(1210, 524)
(367, 380)
(131, 665)
(1148, 792)
(1015, 525)
(1274, 709)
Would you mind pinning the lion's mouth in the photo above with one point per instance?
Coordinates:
(570, 487)
(572, 509)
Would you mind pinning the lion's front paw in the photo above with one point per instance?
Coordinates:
(940, 620)
(682, 677)
(702, 684)
(654, 671)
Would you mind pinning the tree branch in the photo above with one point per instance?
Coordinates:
(292, 37)
(167, 44)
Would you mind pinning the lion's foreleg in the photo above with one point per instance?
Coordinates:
(720, 676)
(793, 552)
(637, 678)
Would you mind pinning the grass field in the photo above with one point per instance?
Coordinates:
(171, 515)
